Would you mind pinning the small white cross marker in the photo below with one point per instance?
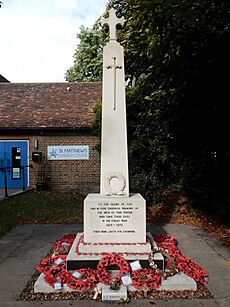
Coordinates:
(112, 21)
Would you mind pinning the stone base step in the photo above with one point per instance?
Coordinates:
(179, 282)
(88, 255)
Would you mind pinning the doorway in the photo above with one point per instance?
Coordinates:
(14, 164)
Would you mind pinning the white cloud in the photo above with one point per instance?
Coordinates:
(38, 38)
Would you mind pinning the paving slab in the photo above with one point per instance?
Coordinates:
(24, 246)
(178, 282)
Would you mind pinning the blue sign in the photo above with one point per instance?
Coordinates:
(75, 152)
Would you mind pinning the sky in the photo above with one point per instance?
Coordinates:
(38, 37)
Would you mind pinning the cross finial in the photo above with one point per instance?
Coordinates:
(112, 21)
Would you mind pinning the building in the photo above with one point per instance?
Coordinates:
(46, 137)
(3, 79)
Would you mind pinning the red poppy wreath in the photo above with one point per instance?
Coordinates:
(146, 278)
(87, 281)
(49, 262)
(110, 260)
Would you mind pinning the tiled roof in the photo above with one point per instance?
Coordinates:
(48, 105)
(3, 79)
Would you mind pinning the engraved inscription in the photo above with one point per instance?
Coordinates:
(115, 217)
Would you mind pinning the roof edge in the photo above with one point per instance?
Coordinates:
(38, 83)
(50, 129)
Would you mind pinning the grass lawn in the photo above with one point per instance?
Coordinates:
(40, 207)
(67, 208)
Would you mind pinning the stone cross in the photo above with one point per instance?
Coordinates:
(112, 21)
(114, 153)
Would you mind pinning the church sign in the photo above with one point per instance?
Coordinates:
(76, 152)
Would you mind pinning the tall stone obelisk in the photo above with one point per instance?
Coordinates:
(114, 215)
(114, 155)
(114, 220)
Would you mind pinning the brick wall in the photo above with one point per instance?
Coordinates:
(80, 175)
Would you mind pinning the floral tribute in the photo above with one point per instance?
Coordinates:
(63, 246)
(167, 245)
(48, 262)
(110, 260)
(148, 278)
(54, 267)
(88, 280)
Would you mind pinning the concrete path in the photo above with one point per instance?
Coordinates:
(23, 247)
(12, 192)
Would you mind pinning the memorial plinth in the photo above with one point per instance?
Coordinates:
(113, 225)
(114, 219)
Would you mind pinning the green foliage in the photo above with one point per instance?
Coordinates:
(88, 56)
(87, 65)
(177, 58)
(115, 284)
(96, 126)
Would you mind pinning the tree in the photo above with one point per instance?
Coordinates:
(87, 65)
(88, 56)
(177, 60)
(178, 53)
